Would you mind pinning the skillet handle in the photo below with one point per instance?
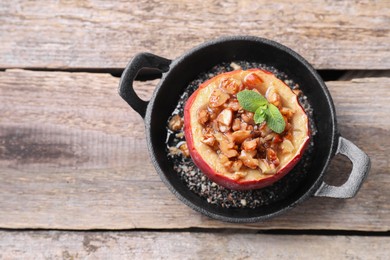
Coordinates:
(360, 167)
(143, 64)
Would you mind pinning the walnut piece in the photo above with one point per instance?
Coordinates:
(247, 117)
(272, 157)
(250, 145)
(225, 120)
(208, 139)
(175, 123)
(273, 97)
(203, 116)
(247, 159)
(218, 98)
(184, 149)
(227, 147)
(252, 80)
(236, 124)
(230, 85)
(239, 136)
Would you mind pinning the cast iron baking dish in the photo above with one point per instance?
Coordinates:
(176, 75)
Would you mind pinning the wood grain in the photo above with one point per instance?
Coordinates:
(152, 245)
(73, 156)
(102, 35)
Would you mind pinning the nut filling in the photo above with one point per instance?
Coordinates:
(233, 134)
(245, 129)
(200, 184)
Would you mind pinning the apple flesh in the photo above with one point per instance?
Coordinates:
(225, 143)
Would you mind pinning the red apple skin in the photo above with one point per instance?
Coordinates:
(219, 178)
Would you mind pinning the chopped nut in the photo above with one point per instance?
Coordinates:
(174, 151)
(250, 145)
(239, 175)
(248, 160)
(287, 112)
(235, 66)
(184, 149)
(265, 167)
(203, 116)
(208, 139)
(273, 97)
(229, 152)
(236, 124)
(239, 136)
(234, 105)
(225, 119)
(175, 123)
(230, 85)
(224, 160)
(252, 80)
(265, 130)
(269, 137)
(214, 112)
(272, 157)
(231, 166)
(218, 98)
(247, 117)
(226, 147)
(244, 126)
(236, 166)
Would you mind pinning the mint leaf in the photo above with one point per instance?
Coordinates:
(274, 118)
(254, 102)
(251, 100)
(259, 116)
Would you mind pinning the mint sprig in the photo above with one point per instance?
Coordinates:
(262, 109)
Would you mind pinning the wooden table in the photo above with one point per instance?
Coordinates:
(76, 179)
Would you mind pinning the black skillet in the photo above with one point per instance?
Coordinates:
(176, 75)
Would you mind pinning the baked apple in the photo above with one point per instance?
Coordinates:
(236, 142)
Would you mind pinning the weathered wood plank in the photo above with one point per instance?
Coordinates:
(154, 245)
(73, 156)
(98, 34)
